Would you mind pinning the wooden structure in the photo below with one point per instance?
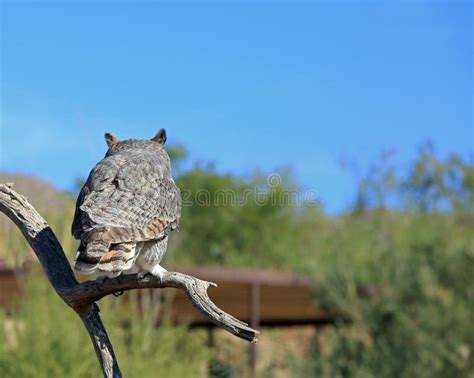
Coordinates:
(261, 298)
(264, 298)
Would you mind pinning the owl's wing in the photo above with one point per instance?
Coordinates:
(127, 198)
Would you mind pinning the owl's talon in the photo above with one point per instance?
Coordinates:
(158, 272)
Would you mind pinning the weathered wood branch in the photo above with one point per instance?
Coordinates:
(81, 297)
(54, 262)
(195, 289)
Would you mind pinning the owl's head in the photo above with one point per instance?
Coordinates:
(154, 144)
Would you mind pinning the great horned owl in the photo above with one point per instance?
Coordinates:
(126, 209)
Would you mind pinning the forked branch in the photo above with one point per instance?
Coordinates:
(81, 297)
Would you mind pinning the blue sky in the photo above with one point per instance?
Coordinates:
(243, 84)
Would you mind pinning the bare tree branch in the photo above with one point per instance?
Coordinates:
(195, 289)
(51, 256)
(81, 297)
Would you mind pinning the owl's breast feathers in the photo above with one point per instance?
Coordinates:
(128, 197)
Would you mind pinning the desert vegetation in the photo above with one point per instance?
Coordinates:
(406, 237)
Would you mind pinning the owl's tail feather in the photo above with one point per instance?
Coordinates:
(120, 257)
(88, 256)
(104, 257)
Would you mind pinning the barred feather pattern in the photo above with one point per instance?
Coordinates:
(126, 209)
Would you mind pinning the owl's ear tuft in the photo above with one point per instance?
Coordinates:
(160, 137)
(111, 139)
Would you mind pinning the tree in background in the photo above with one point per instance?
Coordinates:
(401, 278)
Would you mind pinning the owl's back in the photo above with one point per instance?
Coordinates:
(129, 197)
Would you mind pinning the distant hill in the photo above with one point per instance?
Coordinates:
(41, 194)
(55, 206)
